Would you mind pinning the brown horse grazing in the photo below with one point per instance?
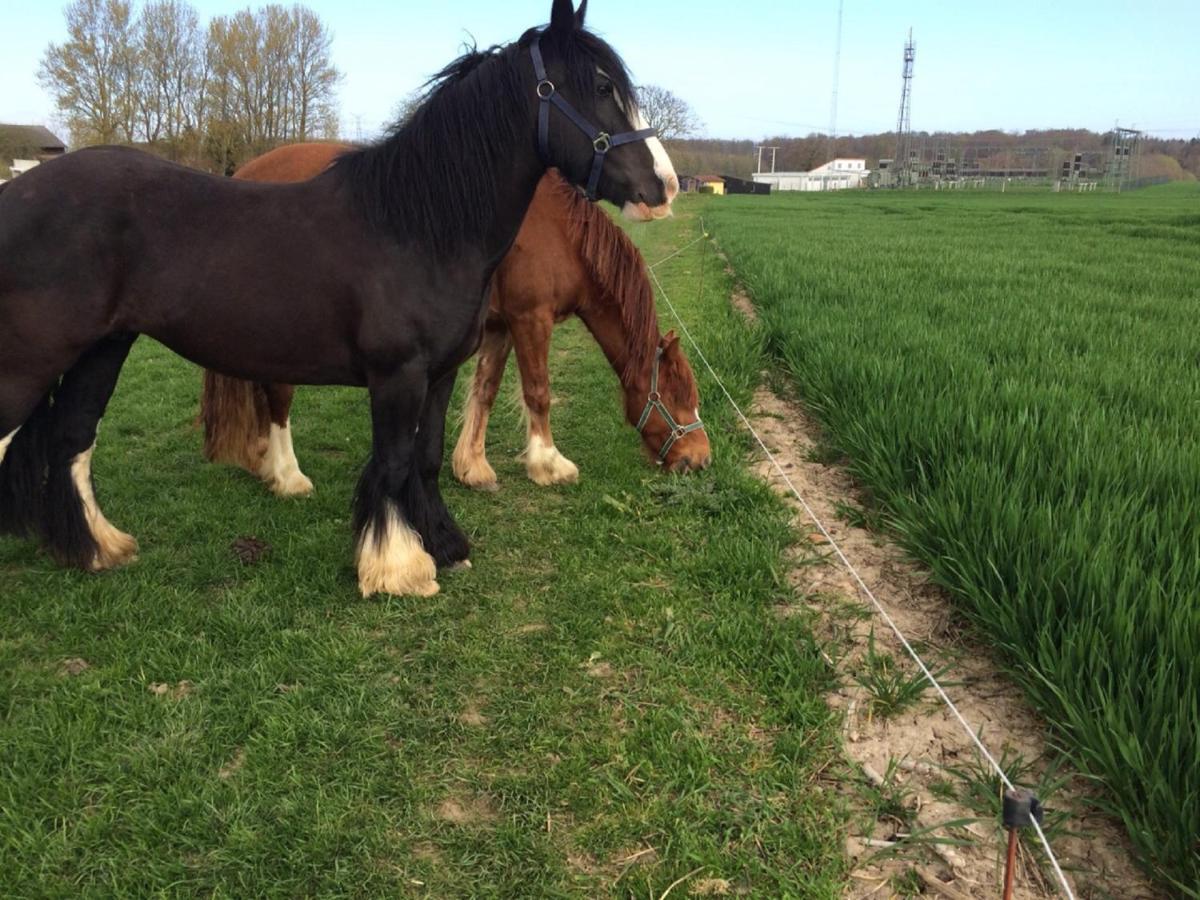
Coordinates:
(568, 258)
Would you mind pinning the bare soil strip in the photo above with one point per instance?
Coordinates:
(905, 755)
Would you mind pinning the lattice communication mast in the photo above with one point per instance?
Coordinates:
(837, 69)
(904, 162)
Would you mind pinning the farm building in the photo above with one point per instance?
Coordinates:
(24, 146)
(735, 185)
(835, 175)
(710, 184)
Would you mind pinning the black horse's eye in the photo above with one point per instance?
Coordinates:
(604, 89)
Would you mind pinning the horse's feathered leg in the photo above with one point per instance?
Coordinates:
(280, 469)
(470, 453)
(544, 464)
(443, 538)
(77, 532)
(390, 554)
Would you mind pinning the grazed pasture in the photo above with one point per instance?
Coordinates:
(1016, 380)
(604, 705)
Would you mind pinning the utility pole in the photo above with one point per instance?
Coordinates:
(760, 153)
(903, 163)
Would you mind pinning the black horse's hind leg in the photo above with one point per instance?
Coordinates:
(442, 536)
(390, 555)
(23, 470)
(75, 529)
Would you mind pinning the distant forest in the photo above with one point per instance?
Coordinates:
(1178, 160)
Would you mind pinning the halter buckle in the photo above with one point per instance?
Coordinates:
(602, 142)
(680, 432)
(654, 397)
(548, 86)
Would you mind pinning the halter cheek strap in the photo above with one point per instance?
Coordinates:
(653, 402)
(602, 142)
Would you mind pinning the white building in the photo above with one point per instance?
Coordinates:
(837, 175)
(21, 166)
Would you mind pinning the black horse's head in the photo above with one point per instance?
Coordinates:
(587, 73)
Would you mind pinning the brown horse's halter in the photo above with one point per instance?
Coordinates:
(602, 141)
(653, 402)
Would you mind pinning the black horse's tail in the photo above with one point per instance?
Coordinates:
(23, 474)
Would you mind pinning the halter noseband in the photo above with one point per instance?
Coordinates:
(653, 402)
(602, 142)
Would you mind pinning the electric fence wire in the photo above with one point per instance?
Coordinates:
(862, 585)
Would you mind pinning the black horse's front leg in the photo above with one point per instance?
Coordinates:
(390, 500)
(443, 538)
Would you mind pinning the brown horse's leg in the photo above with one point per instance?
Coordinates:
(543, 463)
(470, 453)
(279, 467)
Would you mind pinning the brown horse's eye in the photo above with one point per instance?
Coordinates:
(604, 89)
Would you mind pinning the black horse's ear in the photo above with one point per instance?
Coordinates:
(562, 17)
(580, 15)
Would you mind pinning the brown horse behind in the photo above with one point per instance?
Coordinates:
(569, 258)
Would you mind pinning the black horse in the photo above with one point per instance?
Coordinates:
(374, 273)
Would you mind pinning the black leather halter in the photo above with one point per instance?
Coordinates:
(602, 142)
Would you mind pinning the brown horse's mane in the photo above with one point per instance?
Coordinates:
(616, 268)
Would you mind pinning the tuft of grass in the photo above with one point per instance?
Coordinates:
(891, 688)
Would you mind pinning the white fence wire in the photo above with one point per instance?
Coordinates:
(862, 585)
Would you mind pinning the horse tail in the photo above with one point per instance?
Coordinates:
(236, 416)
(23, 473)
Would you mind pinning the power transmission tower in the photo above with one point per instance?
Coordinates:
(837, 69)
(903, 163)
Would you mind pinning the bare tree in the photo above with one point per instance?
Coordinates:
(314, 78)
(92, 76)
(249, 81)
(670, 114)
(171, 63)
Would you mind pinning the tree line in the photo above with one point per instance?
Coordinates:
(211, 95)
(1174, 159)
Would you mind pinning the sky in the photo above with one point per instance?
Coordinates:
(755, 70)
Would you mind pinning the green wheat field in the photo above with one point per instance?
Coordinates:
(1016, 381)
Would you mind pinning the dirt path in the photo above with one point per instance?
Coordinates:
(904, 758)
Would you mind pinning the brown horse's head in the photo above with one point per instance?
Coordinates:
(687, 449)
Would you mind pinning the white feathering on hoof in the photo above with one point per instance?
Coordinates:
(279, 468)
(114, 547)
(4, 442)
(395, 562)
(546, 466)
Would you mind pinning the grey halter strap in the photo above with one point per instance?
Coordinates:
(653, 402)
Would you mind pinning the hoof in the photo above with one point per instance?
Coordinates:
(475, 473)
(552, 469)
(463, 565)
(395, 562)
(114, 548)
(297, 484)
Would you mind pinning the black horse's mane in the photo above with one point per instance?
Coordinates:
(431, 179)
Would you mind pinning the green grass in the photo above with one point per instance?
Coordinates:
(609, 678)
(1016, 380)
